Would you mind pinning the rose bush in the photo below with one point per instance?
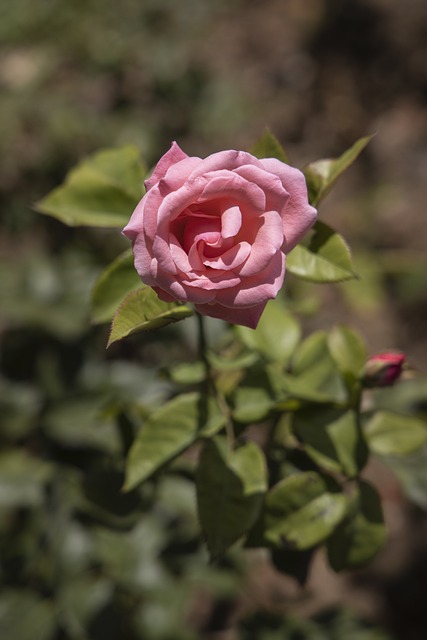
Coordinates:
(215, 231)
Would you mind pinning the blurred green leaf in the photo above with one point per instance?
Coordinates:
(322, 174)
(267, 146)
(112, 286)
(102, 191)
(82, 422)
(276, 336)
(168, 432)
(332, 438)
(142, 310)
(25, 616)
(360, 536)
(395, 434)
(347, 350)
(325, 257)
(22, 479)
(230, 486)
(300, 511)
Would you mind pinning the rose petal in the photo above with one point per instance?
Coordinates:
(231, 259)
(231, 222)
(298, 216)
(171, 157)
(246, 317)
(256, 289)
(268, 241)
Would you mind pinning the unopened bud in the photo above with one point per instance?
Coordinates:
(383, 369)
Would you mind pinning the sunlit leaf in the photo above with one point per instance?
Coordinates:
(112, 286)
(276, 336)
(314, 375)
(102, 191)
(347, 350)
(300, 511)
(322, 174)
(325, 257)
(395, 434)
(332, 438)
(142, 310)
(267, 146)
(230, 487)
(360, 536)
(168, 432)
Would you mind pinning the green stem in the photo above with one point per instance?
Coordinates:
(210, 385)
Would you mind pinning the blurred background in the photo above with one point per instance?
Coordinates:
(78, 561)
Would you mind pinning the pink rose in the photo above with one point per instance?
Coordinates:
(215, 231)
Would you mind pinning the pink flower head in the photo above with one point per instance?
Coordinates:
(383, 369)
(215, 231)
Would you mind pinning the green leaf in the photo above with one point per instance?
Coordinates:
(267, 146)
(276, 336)
(322, 174)
(253, 399)
(142, 310)
(314, 375)
(25, 616)
(347, 350)
(168, 432)
(230, 487)
(332, 438)
(102, 191)
(22, 479)
(395, 434)
(360, 536)
(325, 258)
(112, 286)
(300, 511)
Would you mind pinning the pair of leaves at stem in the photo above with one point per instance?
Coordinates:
(104, 189)
(300, 512)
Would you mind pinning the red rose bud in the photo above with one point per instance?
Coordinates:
(383, 369)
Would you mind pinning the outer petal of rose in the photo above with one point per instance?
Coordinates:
(298, 215)
(267, 242)
(163, 295)
(174, 155)
(142, 260)
(177, 174)
(247, 317)
(230, 159)
(256, 289)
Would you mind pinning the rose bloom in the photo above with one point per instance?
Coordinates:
(215, 231)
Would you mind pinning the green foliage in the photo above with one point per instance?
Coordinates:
(361, 534)
(168, 432)
(276, 336)
(142, 310)
(101, 192)
(322, 175)
(267, 146)
(230, 487)
(112, 286)
(301, 512)
(324, 257)
(113, 469)
(395, 434)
